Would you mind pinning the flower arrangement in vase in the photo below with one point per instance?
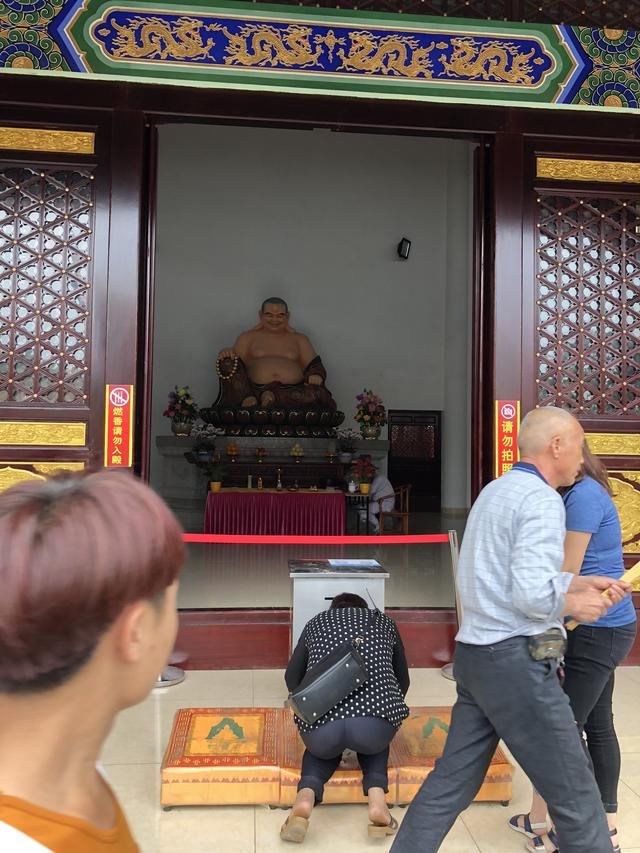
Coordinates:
(233, 451)
(363, 471)
(204, 440)
(370, 414)
(261, 453)
(182, 410)
(347, 443)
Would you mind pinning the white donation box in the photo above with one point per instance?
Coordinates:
(317, 582)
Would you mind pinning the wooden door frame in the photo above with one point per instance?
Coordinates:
(146, 328)
(480, 281)
(113, 341)
(482, 319)
(133, 111)
(136, 109)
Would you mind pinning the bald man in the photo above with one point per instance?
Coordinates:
(512, 592)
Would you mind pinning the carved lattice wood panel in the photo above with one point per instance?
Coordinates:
(588, 305)
(46, 240)
(589, 13)
(414, 441)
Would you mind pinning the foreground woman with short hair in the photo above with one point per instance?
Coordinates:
(88, 572)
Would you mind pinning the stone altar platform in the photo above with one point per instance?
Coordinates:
(245, 756)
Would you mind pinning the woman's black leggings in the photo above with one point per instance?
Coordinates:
(368, 736)
(592, 657)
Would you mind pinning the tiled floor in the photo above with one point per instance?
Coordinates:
(134, 751)
(420, 575)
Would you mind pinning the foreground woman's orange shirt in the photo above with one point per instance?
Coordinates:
(63, 834)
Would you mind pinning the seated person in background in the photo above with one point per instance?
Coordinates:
(88, 570)
(365, 721)
(381, 497)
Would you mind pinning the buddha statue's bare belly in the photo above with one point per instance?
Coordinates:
(271, 363)
(274, 368)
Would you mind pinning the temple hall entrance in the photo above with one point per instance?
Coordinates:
(318, 219)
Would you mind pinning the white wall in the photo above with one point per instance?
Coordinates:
(456, 417)
(314, 217)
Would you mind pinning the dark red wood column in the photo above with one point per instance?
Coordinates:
(507, 266)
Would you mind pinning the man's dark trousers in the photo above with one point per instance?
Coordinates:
(503, 693)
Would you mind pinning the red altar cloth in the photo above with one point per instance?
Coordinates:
(272, 513)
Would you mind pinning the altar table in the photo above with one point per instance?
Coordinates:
(269, 512)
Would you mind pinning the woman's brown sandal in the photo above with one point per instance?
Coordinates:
(377, 830)
(294, 829)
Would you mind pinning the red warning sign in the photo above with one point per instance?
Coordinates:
(507, 425)
(118, 427)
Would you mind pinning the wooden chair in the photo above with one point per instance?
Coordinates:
(400, 510)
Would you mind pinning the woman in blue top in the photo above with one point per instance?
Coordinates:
(593, 546)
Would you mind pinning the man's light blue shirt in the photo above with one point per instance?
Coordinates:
(509, 580)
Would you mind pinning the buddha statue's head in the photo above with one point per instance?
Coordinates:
(274, 314)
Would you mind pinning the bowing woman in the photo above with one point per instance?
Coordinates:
(365, 721)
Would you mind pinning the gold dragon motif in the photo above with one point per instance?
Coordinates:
(11, 476)
(493, 60)
(155, 38)
(390, 54)
(38, 139)
(596, 171)
(263, 44)
(626, 494)
(45, 434)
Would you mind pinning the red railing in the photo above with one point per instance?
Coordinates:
(225, 539)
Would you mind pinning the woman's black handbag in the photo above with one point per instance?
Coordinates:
(330, 681)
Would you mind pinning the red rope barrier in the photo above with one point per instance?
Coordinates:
(224, 539)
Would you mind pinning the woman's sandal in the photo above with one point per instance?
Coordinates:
(538, 844)
(377, 830)
(527, 827)
(294, 829)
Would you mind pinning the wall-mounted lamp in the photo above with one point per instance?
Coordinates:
(404, 247)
